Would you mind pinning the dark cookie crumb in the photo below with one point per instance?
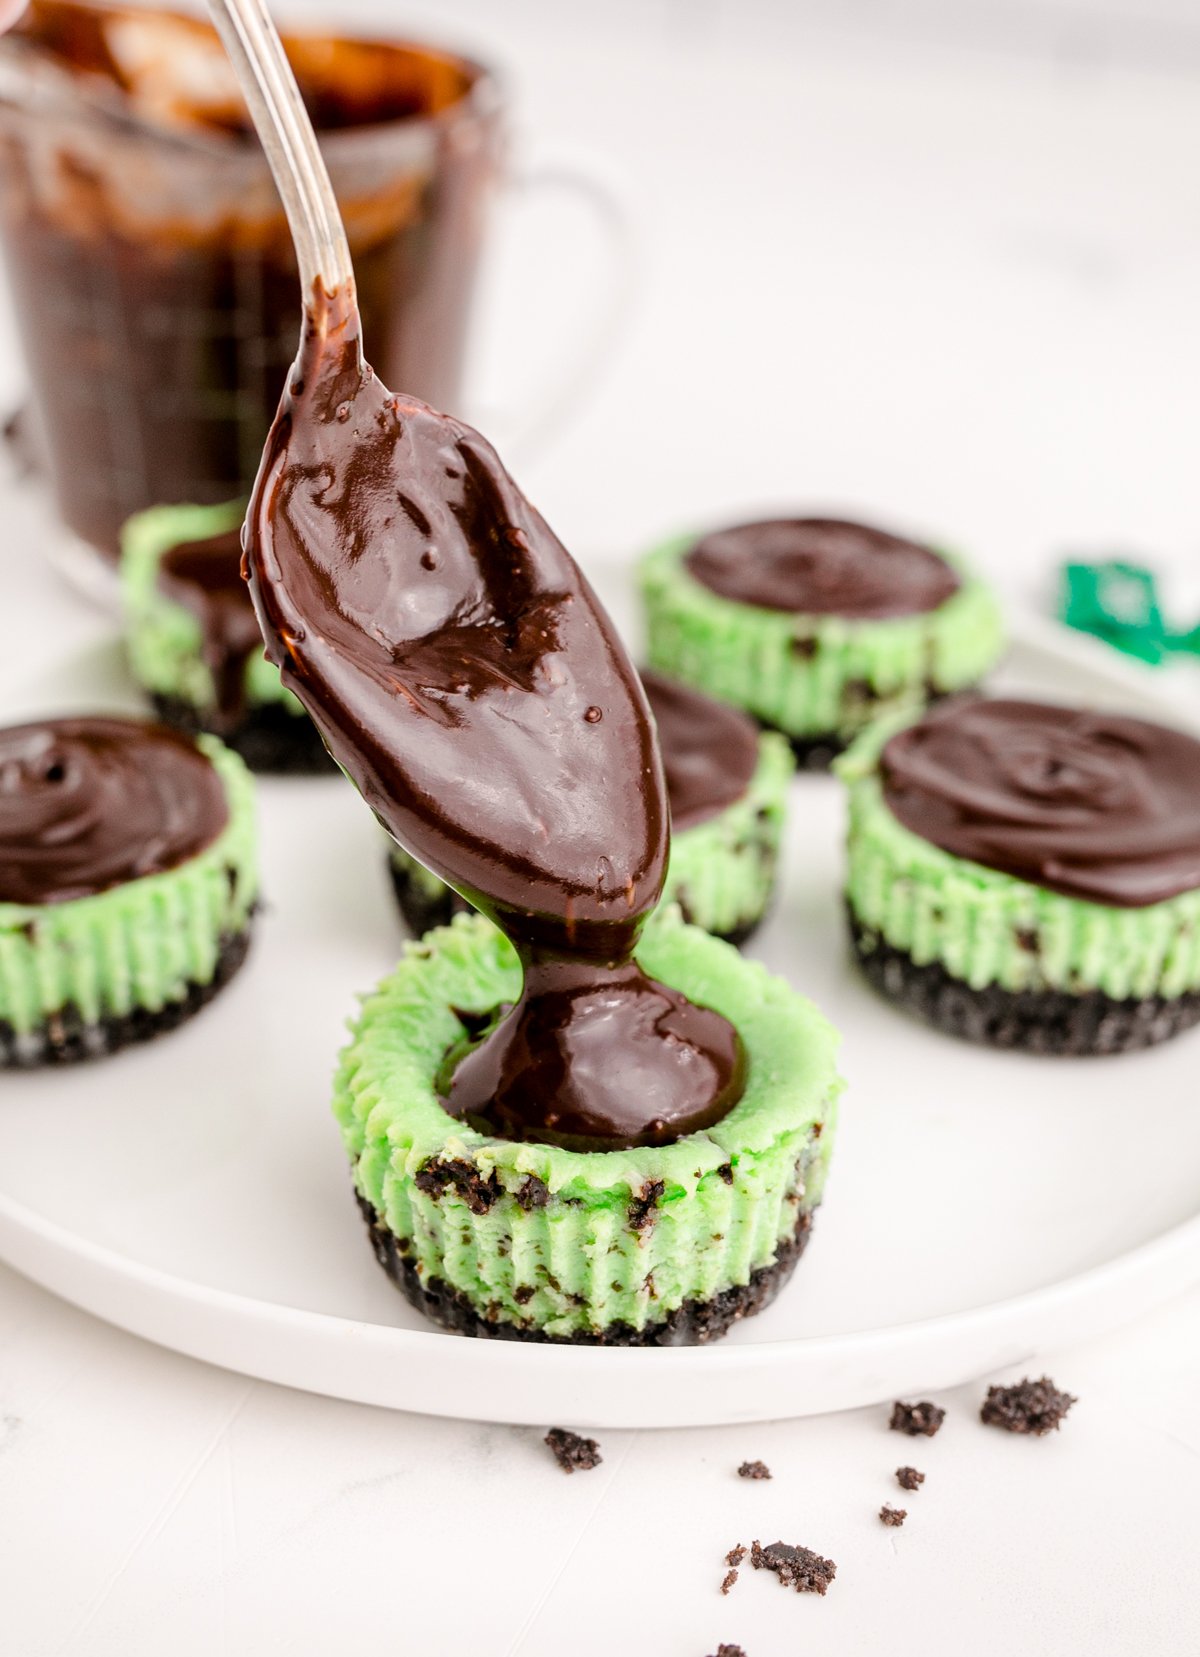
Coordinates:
(908, 1478)
(729, 1580)
(893, 1515)
(735, 1555)
(730, 1651)
(534, 1193)
(798, 1568)
(642, 1208)
(726, 1172)
(1033, 1407)
(754, 1470)
(917, 1420)
(572, 1450)
(463, 1178)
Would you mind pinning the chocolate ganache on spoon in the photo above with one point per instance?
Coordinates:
(461, 670)
(463, 673)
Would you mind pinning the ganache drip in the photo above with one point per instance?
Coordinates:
(1092, 805)
(460, 668)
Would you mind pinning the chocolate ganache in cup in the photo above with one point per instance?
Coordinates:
(1095, 806)
(460, 668)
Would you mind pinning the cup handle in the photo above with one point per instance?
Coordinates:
(585, 177)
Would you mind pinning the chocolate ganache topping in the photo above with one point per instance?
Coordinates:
(86, 804)
(822, 567)
(1092, 805)
(462, 671)
(709, 751)
(206, 578)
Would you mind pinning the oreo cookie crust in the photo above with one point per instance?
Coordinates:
(1088, 1023)
(650, 1245)
(67, 1037)
(694, 1323)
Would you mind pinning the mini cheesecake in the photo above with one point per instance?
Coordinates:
(1027, 875)
(727, 784)
(646, 1244)
(194, 643)
(816, 626)
(128, 879)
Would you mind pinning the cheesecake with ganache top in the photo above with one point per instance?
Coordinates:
(1028, 875)
(128, 882)
(816, 626)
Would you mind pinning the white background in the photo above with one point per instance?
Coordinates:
(936, 263)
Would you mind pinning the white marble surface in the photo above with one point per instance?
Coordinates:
(953, 290)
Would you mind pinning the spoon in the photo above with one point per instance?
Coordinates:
(286, 132)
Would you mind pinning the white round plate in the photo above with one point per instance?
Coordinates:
(195, 1191)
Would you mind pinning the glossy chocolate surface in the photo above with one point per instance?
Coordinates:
(461, 669)
(709, 751)
(206, 578)
(1093, 805)
(822, 567)
(87, 804)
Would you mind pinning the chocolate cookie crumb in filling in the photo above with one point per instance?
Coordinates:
(799, 1568)
(1030, 1407)
(893, 1516)
(754, 1470)
(917, 1420)
(572, 1451)
(908, 1478)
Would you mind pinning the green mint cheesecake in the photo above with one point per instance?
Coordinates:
(816, 626)
(649, 1244)
(128, 881)
(1028, 875)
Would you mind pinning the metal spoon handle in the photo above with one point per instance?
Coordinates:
(265, 76)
